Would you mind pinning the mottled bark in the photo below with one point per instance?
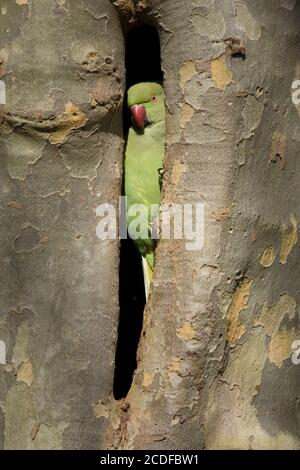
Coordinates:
(215, 367)
(61, 156)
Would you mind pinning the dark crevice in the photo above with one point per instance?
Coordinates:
(142, 64)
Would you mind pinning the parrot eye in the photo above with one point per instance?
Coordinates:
(154, 99)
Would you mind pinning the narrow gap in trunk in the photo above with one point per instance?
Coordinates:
(142, 65)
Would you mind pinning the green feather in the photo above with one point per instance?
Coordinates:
(144, 159)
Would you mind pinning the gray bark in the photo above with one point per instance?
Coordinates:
(61, 156)
(215, 367)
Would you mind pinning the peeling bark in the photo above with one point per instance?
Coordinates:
(214, 361)
(215, 366)
(61, 156)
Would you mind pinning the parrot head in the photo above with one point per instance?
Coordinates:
(146, 103)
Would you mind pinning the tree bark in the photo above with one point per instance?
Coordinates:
(61, 156)
(215, 367)
(214, 361)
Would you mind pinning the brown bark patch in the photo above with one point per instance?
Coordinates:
(279, 150)
(14, 205)
(239, 303)
(25, 373)
(34, 430)
(187, 112)
(147, 379)
(186, 332)
(220, 73)
(220, 214)
(178, 170)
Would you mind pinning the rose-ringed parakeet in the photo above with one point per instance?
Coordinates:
(144, 162)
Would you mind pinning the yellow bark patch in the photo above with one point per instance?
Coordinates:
(100, 410)
(220, 73)
(289, 238)
(175, 365)
(25, 373)
(187, 71)
(186, 332)
(187, 112)
(268, 257)
(72, 118)
(280, 347)
(148, 378)
(21, 2)
(239, 303)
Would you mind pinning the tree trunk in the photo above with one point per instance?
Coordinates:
(61, 156)
(214, 362)
(215, 367)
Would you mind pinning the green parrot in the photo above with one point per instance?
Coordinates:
(144, 163)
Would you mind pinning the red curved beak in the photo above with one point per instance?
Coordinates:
(138, 112)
